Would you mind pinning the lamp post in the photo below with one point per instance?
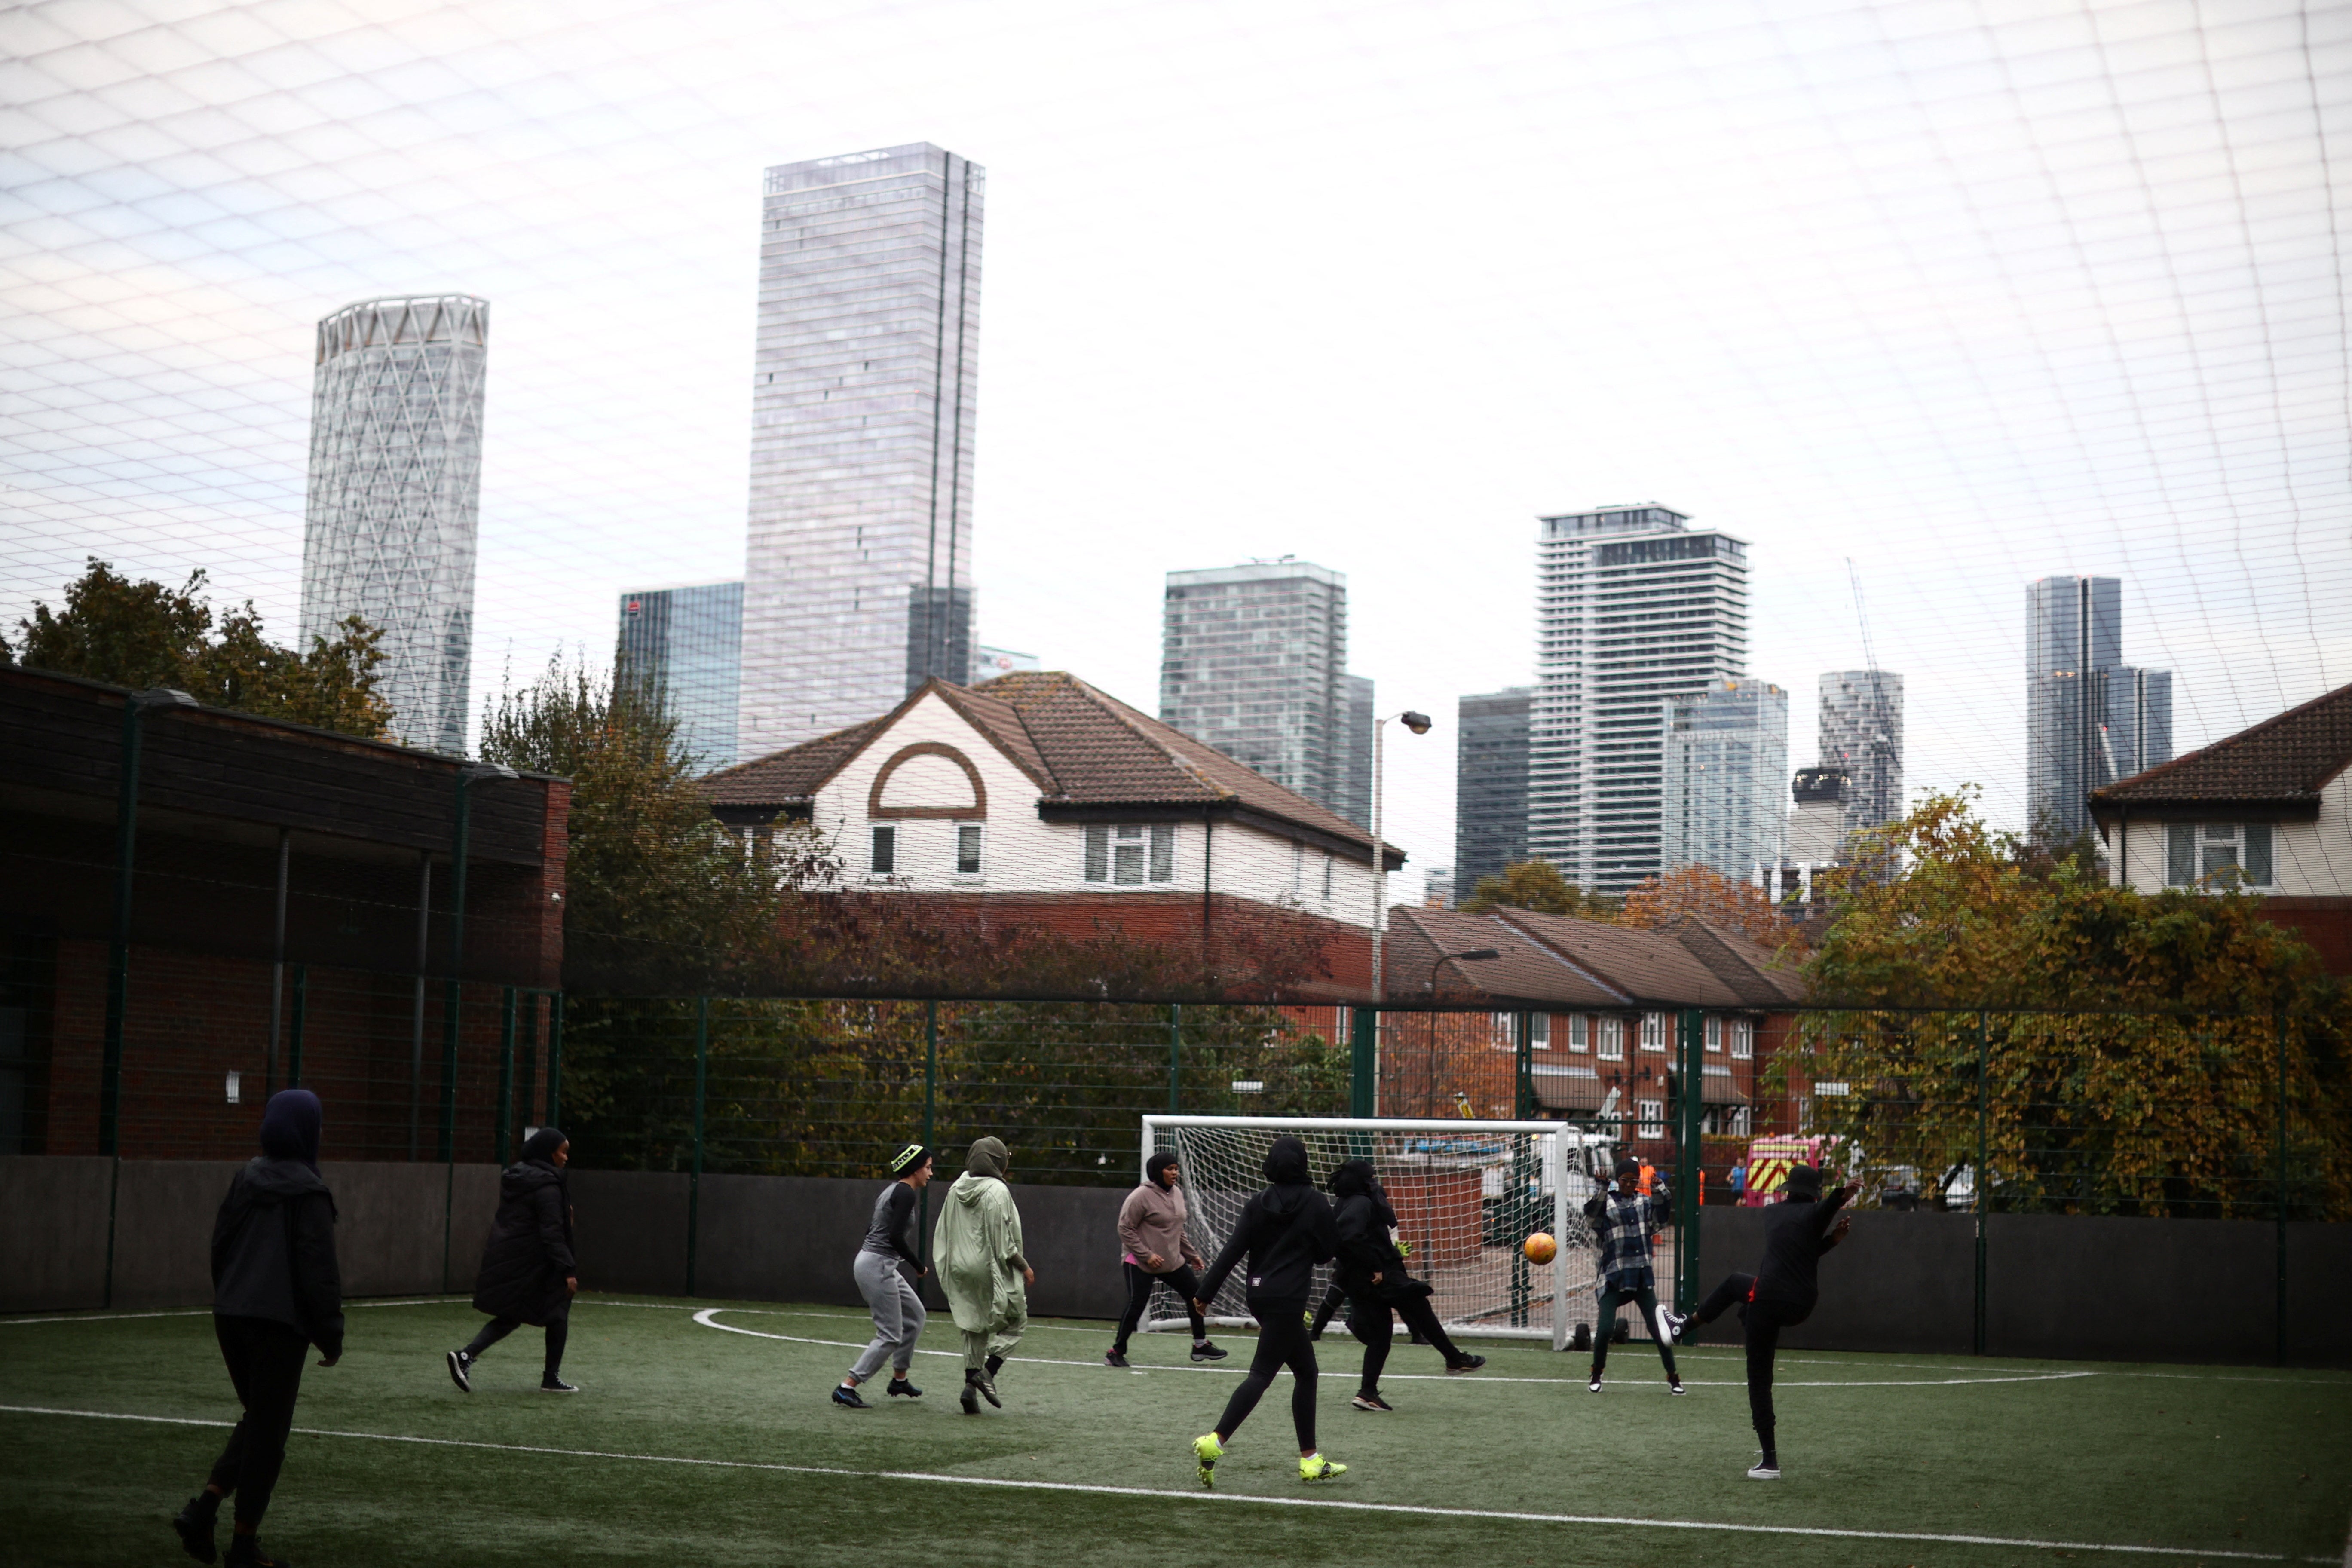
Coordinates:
(1419, 724)
(1473, 955)
(118, 956)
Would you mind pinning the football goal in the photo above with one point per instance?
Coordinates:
(1467, 1195)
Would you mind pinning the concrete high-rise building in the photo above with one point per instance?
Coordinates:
(1253, 661)
(1490, 784)
(1862, 737)
(1817, 825)
(1633, 608)
(1356, 800)
(1727, 752)
(2091, 719)
(393, 507)
(687, 641)
(863, 392)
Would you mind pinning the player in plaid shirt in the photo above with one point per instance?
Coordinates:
(1622, 1224)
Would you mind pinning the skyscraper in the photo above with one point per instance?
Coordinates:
(1862, 737)
(1363, 714)
(2091, 719)
(1633, 608)
(1253, 661)
(865, 380)
(394, 497)
(1490, 784)
(687, 641)
(1727, 752)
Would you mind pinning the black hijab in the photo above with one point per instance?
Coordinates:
(1157, 1166)
(1286, 1163)
(289, 1126)
(542, 1144)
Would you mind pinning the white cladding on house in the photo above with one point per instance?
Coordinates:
(2300, 860)
(927, 804)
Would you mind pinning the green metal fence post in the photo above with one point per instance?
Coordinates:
(1363, 1061)
(451, 998)
(1175, 1057)
(1523, 1098)
(2279, 1289)
(1686, 1159)
(118, 951)
(694, 1181)
(1981, 1182)
(295, 1019)
(528, 1079)
(505, 1112)
(931, 1109)
(555, 1060)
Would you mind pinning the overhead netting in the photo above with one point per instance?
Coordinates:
(1467, 1195)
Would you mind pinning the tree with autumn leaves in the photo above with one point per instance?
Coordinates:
(2124, 1053)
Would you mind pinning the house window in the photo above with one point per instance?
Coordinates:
(1163, 851)
(1652, 1116)
(886, 851)
(1327, 879)
(1736, 1121)
(968, 848)
(1539, 1031)
(1653, 1031)
(1097, 854)
(1131, 853)
(1743, 1036)
(1613, 1040)
(1714, 1033)
(1579, 1032)
(1126, 851)
(2218, 855)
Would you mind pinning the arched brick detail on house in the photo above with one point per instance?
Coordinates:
(976, 811)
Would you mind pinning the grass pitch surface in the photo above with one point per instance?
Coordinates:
(690, 1444)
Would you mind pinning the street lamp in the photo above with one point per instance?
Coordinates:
(1419, 724)
(1475, 954)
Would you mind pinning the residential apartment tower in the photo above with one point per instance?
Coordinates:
(685, 642)
(2091, 719)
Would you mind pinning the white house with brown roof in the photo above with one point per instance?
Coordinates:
(1047, 795)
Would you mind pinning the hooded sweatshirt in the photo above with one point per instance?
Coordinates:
(976, 1246)
(1284, 1231)
(273, 1249)
(1796, 1234)
(1366, 1226)
(1152, 1221)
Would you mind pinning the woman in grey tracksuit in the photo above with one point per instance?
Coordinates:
(889, 1271)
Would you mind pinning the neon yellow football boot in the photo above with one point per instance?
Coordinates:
(1315, 1467)
(1206, 1452)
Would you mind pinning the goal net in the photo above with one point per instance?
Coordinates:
(1466, 1195)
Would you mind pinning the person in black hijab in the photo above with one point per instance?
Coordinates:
(528, 1273)
(1372, 1272)
(277, 1290)
(1284, 1231)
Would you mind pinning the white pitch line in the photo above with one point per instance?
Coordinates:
(1417, 1510)
(708, 1318)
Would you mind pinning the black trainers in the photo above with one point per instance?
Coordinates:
(1468, 1364)
(1674, 1384)
(195, 1525)
(993, 1366)
(461, 1367)
(970, 1397)
(1595, 1385)
(1372, 1402)
(1203, 1351)
(557, 1385)
(848, 1399)
(900, 1387)
(984, 1382)
(1677, 1325)
(1115, 1358)
(247, 1551)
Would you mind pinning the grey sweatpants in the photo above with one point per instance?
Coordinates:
(898, 1315)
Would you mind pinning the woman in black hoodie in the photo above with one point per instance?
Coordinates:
(1284, 1231)
(277, 1290)
(1372, 1272)
(528, 1274)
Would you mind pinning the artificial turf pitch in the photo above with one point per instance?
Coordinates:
(690, 1443)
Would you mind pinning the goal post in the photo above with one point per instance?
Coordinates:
(1467, 1193)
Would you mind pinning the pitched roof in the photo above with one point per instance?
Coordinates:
(1646, 965)
(2285, 761)
(1749, 968)
(1081, 745)
(1523, 972)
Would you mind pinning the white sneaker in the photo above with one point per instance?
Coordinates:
(1760, 1471)
(1595, 1385)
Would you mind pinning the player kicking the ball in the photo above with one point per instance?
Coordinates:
(1624, 1222)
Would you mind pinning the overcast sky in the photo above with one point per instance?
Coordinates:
(1964, 293)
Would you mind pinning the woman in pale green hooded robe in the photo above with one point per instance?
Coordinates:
(976, 1248)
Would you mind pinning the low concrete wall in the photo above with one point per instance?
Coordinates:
(630, 1230)
(1900, 1282)
(53, 1231)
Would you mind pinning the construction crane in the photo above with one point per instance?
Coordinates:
(1869, 658)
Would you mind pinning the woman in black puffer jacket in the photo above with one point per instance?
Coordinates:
(528, 1273)
(1372, 1272)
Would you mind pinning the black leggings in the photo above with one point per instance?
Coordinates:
(1140, 1282)
(1647, 1301)
(1281, 1341)
(559, 1329)
(1368, 1320)
(265, 1362)
(1760, 1325)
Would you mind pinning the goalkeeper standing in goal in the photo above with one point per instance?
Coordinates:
(1284, 1231)
(1155, 1250)
(1624, 1222)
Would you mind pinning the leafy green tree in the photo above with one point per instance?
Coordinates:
(1537, 885)
(146, 633)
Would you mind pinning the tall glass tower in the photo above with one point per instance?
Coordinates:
(864, 396)
(1727, 752)
(1633, 608)
(2091, 719)
(1861, 738)
(686, 643)
(394, 503)
(1490, 786)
